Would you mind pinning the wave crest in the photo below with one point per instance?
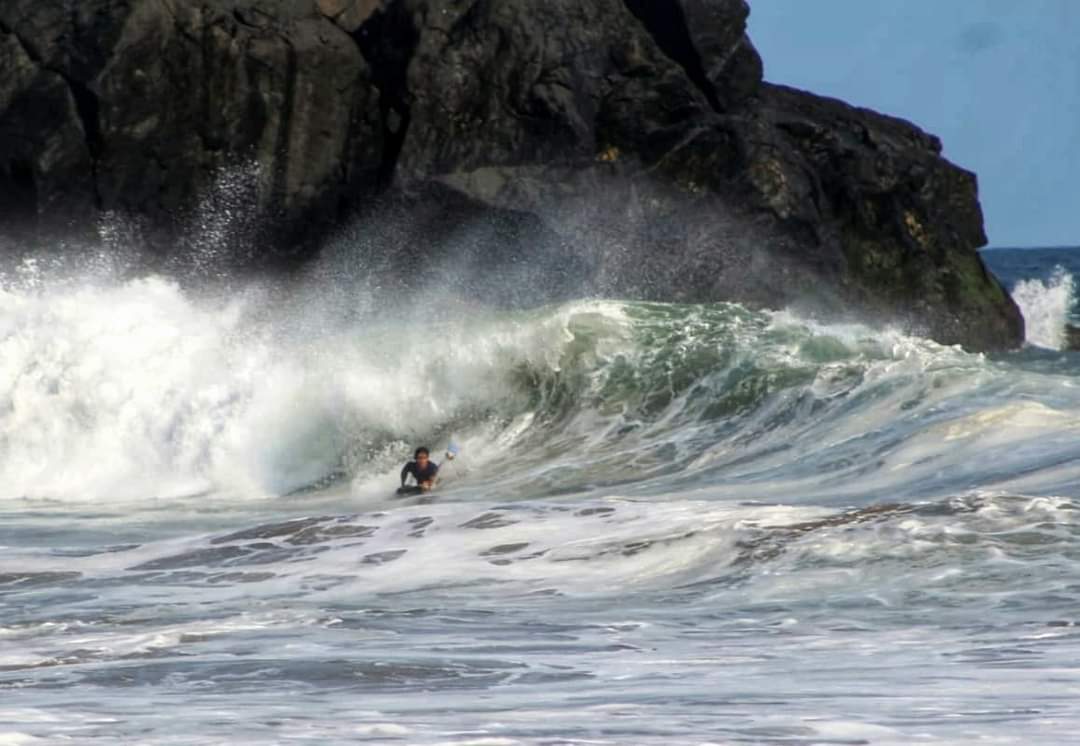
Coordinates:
(1046, 306)
(140, 389)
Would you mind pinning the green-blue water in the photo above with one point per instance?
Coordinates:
(668, 524)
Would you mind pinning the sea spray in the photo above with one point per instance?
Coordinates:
(109, 387)
(1046, 305)
(677, 523)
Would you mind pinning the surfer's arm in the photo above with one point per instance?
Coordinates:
(405, 472)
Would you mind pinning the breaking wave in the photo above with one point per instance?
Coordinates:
(141, 389)
(1046, 306)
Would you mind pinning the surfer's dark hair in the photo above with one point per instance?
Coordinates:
(420, 450)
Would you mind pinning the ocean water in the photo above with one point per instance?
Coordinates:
(1041, 283)
(668, 524)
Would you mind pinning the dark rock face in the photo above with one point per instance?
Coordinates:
(135, 107)
(1072, 338)
(632, 146)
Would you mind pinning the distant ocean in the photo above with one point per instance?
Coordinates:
(667, 524)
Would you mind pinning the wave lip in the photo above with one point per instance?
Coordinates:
(133, 390)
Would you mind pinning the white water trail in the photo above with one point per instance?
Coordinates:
(128, 391)
(1045, 306)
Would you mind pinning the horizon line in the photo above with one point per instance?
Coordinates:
(1060, 247)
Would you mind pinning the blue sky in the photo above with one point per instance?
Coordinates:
(997, 80)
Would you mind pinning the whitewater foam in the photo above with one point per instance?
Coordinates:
(133, 390)
(668, 524)
(1046, 307)
(138, 389)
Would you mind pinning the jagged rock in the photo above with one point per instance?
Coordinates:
(349, 14)
(786, 199)
(708, 39)
(45, 159)
(1071, 338)
(155, 98)
(639, 134)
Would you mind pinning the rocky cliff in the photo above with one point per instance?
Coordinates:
(623, 147)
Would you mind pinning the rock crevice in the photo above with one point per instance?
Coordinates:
(84, 100)
(387, 43)
(666, 24)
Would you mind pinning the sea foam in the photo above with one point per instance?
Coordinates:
(1045, 305)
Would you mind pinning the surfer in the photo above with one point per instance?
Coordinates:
(422, 469)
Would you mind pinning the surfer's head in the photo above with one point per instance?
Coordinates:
(421, 455)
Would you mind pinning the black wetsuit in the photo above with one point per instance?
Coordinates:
(420, 475)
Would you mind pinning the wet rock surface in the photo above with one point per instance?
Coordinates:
(632, 147)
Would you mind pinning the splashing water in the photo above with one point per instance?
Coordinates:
(138, 389)
(1046, 306)
(665, 524)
